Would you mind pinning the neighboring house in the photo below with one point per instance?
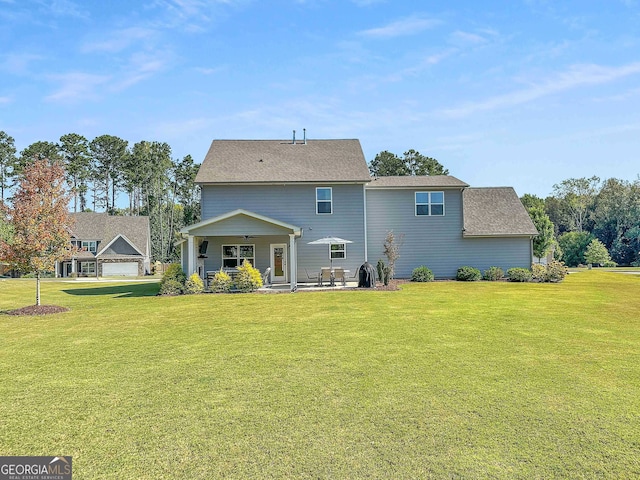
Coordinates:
(265, 200)
(108, 246)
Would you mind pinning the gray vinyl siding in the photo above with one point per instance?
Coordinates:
(435, 241)
(121, 247)
(295, 205)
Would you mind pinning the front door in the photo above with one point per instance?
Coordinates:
(278, 262)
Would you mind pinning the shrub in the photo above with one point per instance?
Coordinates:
(174, 272)
(380, 268)
(384, 272)
(221, 282)
(493, 274)
(519, 275)
(171, 287)
(194, 284)
(173, 280)
(610, 263)
(249, 278)
(556, 271)
(553, 272)
(468, 274)
(421, 274)
(538, 273)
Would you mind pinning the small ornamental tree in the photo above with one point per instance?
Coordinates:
(40, 220)
(597, 253)
(391, 250)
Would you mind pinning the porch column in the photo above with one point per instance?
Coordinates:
(57, 269)
(191, 262)
(73, 265)
(293, 262)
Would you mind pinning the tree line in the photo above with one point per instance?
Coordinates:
(106, 172)
(591, 219)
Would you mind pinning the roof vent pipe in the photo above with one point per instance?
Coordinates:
(304, 133)
(294, 137)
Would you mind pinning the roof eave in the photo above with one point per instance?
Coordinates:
(286, 182)
(494, 235)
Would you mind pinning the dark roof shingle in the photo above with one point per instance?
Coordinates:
(265, 161)
(422, 181)
(495, 211)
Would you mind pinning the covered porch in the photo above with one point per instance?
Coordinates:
(227, 240)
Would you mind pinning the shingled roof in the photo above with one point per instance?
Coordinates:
(105, 228)
(422, 181)
(495, 212)
(278, 161)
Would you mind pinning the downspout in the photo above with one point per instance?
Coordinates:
(293, 262)
(531, 251)
(462, 210)
(364, 201)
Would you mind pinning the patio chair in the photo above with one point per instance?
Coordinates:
(325, 275)
(266, 277)
(312, 276)
(338, 275)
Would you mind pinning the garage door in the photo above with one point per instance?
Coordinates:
(127, 269)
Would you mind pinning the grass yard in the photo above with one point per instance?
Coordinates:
(440, 380)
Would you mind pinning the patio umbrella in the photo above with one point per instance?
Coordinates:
(329, 241)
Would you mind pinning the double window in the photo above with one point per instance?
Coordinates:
(337, 251)
(89, 246)
(324, 200)
(430, 203)
(88, 268)
(234, 255)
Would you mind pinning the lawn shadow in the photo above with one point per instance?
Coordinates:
(118, 291)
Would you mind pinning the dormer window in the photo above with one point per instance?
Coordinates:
(89, 246)
(430, 203)
(324, 201)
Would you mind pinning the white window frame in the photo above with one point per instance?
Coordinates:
(239, 258)
(330, 201)
(89, 270)
(429, 205)
(90, 245)
(342, 250)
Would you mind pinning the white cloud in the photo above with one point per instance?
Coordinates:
(18, 63)
(5, 100)
(576, 76)
(141, 67)
(67, 8)
(119, 40)
(403, 27)
(465, 38)
(76, 86)
(366, 3)
(209, 71)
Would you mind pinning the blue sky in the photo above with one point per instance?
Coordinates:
(522, 93)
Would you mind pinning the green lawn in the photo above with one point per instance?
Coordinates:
(441, 380)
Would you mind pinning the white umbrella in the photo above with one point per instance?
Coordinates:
(329, 241)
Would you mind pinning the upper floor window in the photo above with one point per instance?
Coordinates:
(89, 246)
(430, 203)
(324, 200)
(234, 255)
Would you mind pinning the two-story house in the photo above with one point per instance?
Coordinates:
(266, 200)
(107, 246)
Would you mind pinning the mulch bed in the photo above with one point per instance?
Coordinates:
(37, 310)
(393, 285)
